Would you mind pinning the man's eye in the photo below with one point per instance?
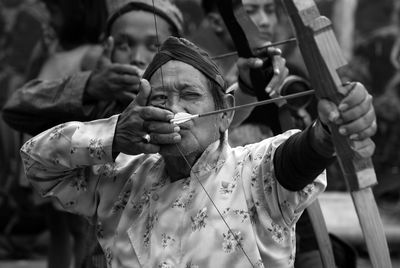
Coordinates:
(190, 94)
(250, 10)
(123, 46)
(269, 10)
(159, 98)
(153, 46)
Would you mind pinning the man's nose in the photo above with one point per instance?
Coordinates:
(138, 57)
(263, 20)
(173, 104)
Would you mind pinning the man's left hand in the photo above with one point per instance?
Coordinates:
(355, 115)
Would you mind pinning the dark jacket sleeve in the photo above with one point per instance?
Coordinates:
(39, 105)
(303, 156)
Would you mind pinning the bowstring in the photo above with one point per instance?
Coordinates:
(186, 160)
(215, 206)
(158, 43)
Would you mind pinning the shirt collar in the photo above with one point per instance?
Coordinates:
(213, 157)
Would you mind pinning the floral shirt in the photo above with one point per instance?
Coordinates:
(146, 220)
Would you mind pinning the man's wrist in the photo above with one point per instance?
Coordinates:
(321, 140)
(87, 92)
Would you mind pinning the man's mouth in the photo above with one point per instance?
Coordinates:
(266, 35)
(140, 69)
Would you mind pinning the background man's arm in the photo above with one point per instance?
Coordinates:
(39, 105)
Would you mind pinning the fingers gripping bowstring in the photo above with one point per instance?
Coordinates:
(187, 162)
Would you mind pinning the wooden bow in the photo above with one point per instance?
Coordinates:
(247, 40)
(324, 60)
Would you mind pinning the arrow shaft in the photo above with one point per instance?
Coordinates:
(259, 103)
(234, 53)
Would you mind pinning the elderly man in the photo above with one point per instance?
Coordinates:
(179, 196)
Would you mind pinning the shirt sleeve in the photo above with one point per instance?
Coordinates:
(41, 104)
(273, 201)
(68, 162)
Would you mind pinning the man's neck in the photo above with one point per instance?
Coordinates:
(179, 167)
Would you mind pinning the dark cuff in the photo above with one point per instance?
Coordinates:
(320, 139)
(297, 163)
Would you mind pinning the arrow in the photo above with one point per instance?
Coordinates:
(180, 118)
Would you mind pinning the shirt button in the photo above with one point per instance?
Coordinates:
(155, 197)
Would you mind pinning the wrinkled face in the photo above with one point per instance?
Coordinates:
(263, 14)
(135, 38)
(186, 90)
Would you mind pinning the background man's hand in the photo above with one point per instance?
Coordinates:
(278, 65)
(355, 114)
(113, 80)
(138, 120)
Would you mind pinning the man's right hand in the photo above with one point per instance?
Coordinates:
(113, 80)
(278, 64)
(137, 120)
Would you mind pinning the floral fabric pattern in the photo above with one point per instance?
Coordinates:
(142, 202)
(96, 148)
(166, 240)
(80, 183)
(145, 219)
(232, 241)
(279, 233)
(200, 220)
(56, 132)
(152, 219)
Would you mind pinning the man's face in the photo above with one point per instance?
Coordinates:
(263, 14)
(182, 88)
(135, 38)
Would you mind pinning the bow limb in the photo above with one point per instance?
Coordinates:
(247, 40)
(324, 60)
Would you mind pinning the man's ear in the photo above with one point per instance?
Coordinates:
(226, 117)
(216, 22)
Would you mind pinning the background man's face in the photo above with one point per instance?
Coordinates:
(135, 38)
(182, 88)
(263, 14)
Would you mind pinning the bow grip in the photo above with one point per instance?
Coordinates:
(324, 60)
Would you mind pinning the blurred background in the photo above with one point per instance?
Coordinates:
(31, 31)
